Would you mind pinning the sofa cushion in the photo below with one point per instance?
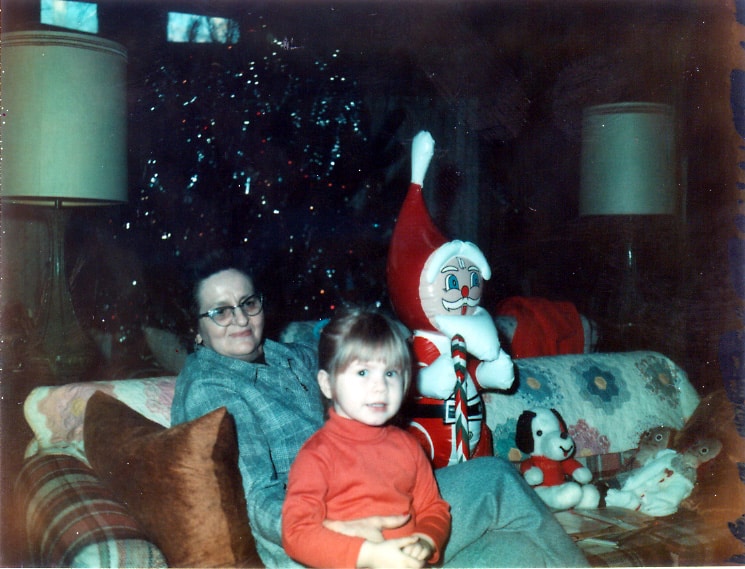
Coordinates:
(182, 484)
(74, 520)
(615, 537)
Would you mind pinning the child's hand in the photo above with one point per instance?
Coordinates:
(421, 550)
(390, 553)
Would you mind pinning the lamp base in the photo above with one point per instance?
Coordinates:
(68, 354)
(618, 300)
(66, 350)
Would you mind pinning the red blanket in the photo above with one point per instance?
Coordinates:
(544, 327)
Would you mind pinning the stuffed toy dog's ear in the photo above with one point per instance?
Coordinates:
(524, 432)
(562, 423)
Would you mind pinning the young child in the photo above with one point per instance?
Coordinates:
(358, 464)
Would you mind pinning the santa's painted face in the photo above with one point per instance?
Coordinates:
(456, 289)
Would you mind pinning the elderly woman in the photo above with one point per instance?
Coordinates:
(271, 391)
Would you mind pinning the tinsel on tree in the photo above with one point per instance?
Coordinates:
(263, 151)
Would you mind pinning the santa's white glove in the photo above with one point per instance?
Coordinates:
(422, 149)
(496, 374)
(438, 379)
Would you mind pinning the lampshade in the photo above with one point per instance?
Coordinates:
(628, 160)
(64, 105)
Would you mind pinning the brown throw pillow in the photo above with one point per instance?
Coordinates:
(181, 484)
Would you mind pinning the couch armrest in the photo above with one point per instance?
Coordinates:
(73, 520)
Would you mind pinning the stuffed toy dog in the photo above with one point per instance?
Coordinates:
(559, 479)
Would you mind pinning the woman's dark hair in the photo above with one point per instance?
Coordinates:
(366, 335)
(212, 264)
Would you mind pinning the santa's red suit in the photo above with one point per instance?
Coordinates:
(433, 409)
(433, 418)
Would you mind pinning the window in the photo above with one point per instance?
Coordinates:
(201, 29)
(81, 16)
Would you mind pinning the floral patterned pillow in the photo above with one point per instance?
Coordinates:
(55, 413)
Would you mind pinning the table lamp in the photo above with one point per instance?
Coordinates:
(628, 171)
(64, 145)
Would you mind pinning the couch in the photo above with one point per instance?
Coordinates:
(81, 512)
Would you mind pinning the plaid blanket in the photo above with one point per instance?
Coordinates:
(73, 520)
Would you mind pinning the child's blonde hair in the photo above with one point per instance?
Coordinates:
(364, 335)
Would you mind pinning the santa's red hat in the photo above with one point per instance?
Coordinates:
(415, 238)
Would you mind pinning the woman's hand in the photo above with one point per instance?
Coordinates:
(390, 553)
(370, 529)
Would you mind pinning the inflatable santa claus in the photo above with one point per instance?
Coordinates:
(435, 287)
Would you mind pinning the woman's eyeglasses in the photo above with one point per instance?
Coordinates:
(225, 315)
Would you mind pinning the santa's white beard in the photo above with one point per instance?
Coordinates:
(478, 330)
